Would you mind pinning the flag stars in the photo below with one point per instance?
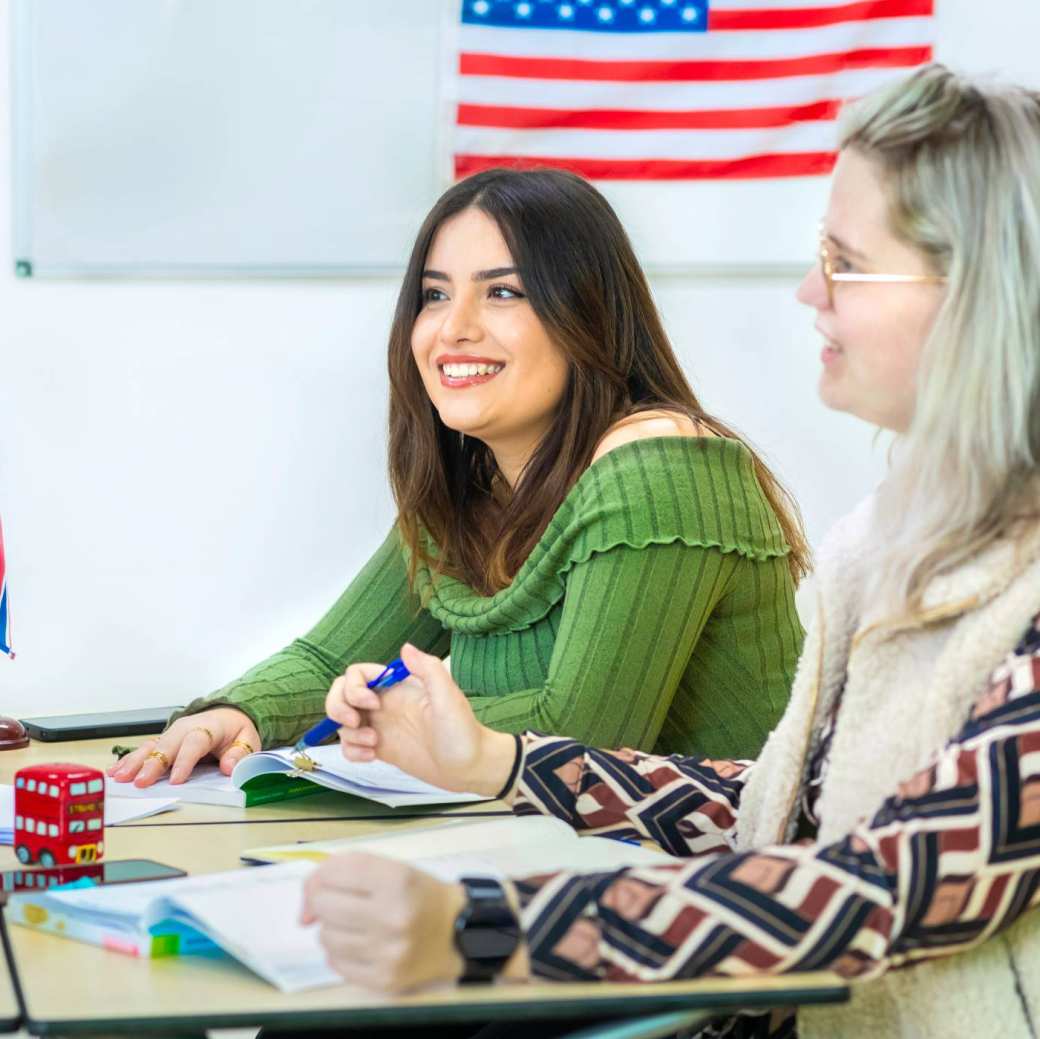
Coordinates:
(481, 7)
(566, 12)
(689, 14)
(647, 15)
(605, 14)
(524, 9)
(667, 3)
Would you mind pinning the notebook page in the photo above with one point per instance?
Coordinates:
(253, 915)
(374, 780)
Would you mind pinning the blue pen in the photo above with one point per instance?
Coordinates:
(393, 673)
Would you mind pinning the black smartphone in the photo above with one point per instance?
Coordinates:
(90, 726)
(118, 871)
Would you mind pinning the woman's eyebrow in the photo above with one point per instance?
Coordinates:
(846, 248)
(488, 275)
(494, 272)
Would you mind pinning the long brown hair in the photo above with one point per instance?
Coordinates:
(585, 284)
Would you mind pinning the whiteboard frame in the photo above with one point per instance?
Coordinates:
(22, 16)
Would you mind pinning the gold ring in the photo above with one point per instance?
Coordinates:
(241, 743)
(159, 756)
(202, 728)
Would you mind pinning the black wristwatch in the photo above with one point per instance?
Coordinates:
(487, 931)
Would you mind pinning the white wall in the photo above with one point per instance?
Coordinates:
(191, 471)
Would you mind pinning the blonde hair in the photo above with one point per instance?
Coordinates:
(961, 166)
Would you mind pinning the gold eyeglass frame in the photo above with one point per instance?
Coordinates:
(830, 276)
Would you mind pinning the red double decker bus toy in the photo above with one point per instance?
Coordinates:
(59, 814)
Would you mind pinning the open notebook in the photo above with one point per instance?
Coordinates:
(265, 776)
(253, 914)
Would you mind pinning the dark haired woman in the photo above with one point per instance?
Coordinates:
(598, 555)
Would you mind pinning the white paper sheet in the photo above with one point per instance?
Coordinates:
(116, 811)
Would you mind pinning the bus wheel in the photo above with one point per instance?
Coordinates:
(47, 859)
(24, 855)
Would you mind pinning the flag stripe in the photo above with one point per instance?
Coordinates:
(671, 71)
(747, 167)
(623, 119)
(646, 144)
(814, 17)
(780, 43)
(664, 97)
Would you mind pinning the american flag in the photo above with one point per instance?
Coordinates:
(5, 616)
(672, 89)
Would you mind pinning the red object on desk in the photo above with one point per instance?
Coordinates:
(59, 814)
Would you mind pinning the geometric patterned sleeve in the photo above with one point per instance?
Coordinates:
(688, 805)
(951, 858)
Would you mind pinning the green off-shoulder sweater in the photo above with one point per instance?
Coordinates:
(656, 612)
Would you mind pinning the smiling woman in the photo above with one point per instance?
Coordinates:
(598, 554)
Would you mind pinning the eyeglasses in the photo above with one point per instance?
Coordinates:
(830, 276)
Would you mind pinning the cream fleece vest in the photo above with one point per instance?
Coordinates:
(904, 692)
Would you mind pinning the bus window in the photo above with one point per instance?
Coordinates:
(20, 782)
(93, 824)
(30, 825)
(53, 791)
(53, 829)
(19, 823)
(95, 786)
(32, 785)
(76, 789)
(76, 826)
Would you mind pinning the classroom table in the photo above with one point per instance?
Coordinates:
(70, 988)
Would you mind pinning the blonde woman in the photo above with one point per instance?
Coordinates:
(893, 818)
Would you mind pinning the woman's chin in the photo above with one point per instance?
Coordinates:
(464, 421)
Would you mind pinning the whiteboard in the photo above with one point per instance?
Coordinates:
(205, 136)
(310, 137)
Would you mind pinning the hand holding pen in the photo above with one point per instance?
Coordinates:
(425, 726)
(393, 673)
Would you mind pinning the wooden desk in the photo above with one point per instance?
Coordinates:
(72, 988)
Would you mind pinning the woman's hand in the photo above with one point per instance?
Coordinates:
(384, 925)
(221, 732)
(423, 725)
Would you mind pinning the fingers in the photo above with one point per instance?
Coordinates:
(354, 691)
(156, 761)
(440, 686)
(127, 767)
(383, 924)
(244, 741)
(338, 706)
(196, 744)
(180, 748)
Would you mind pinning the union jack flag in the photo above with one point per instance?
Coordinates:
(672, 89)
(5, 616)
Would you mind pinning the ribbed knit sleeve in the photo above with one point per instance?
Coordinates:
(285, 694)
